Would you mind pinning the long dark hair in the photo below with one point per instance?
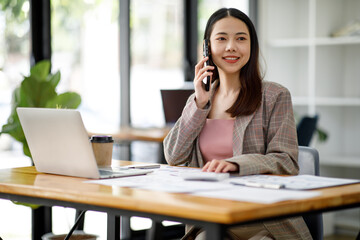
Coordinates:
(249, 98)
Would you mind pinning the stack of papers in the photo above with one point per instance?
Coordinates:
(168, 179)
(299, 182)
(257, 195)
(204, 176)
(264, 189)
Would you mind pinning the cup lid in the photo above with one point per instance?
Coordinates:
(101, 139)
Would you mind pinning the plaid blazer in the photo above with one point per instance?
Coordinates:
(264, 142)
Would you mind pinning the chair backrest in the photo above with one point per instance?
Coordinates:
(306, 129)
(174, 101)
(308, 161)
(309, 164)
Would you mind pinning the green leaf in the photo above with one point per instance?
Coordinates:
(14, 130)
(41, 70)
(54, 79)
(65, 100)
(16, 98)
(26, 149)
(9, 127)
(5, 4)
(36, 93)
(322, 135)
(37, 90)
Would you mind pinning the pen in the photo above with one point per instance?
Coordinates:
(260, 185)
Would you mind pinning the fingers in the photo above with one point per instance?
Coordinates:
(201, 79)
(200, 64)
(220, 166)
(213, 166)
(202, 71)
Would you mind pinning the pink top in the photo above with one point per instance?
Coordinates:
(215, 139)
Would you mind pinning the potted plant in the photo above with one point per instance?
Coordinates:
(37, 90)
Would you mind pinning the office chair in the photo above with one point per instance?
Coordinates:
(309, 164)
(306, 129)
(174, 101)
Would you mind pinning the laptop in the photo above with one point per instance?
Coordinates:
(59, 144)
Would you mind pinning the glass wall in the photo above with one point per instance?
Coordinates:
(157, 52)
(85, 48)
(14, 63)
(14, 56)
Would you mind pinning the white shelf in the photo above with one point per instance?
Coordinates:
(340, 161)
(337, 41)
(305, 42)
(327, 101)
(300, 101)
(290, 42)
(321, 72)
(337, 102)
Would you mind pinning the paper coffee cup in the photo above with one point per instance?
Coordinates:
(102, 146)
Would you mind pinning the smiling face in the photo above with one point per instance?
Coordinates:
(230, 45)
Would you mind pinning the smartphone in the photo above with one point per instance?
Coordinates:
(206, 53)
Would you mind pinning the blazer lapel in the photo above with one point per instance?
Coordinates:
(240, 126)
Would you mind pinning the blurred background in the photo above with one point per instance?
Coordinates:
(309, 46)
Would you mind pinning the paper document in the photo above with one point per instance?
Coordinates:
(166, 179)
(171, 179)
(204, 176)
(257, 195)
(299, 182)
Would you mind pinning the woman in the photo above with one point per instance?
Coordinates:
(242, 125)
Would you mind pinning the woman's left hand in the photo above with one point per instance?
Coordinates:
(220, 166)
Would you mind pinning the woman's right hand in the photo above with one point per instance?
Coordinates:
(201, 96)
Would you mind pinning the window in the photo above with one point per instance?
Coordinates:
(85, 47)
(14, 57)
(156, 52)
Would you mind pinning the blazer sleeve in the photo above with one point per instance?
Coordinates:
(281, 146)
(180, 143)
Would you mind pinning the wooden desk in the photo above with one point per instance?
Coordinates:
(129, 134)
(27, 185)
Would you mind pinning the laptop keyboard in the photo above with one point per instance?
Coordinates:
(106, 172)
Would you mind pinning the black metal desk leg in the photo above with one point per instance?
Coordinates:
(80, 225)
(125, 228)
(155, 232)
(113, 227)
(79, 220)
(215, 231)
(41, 222)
